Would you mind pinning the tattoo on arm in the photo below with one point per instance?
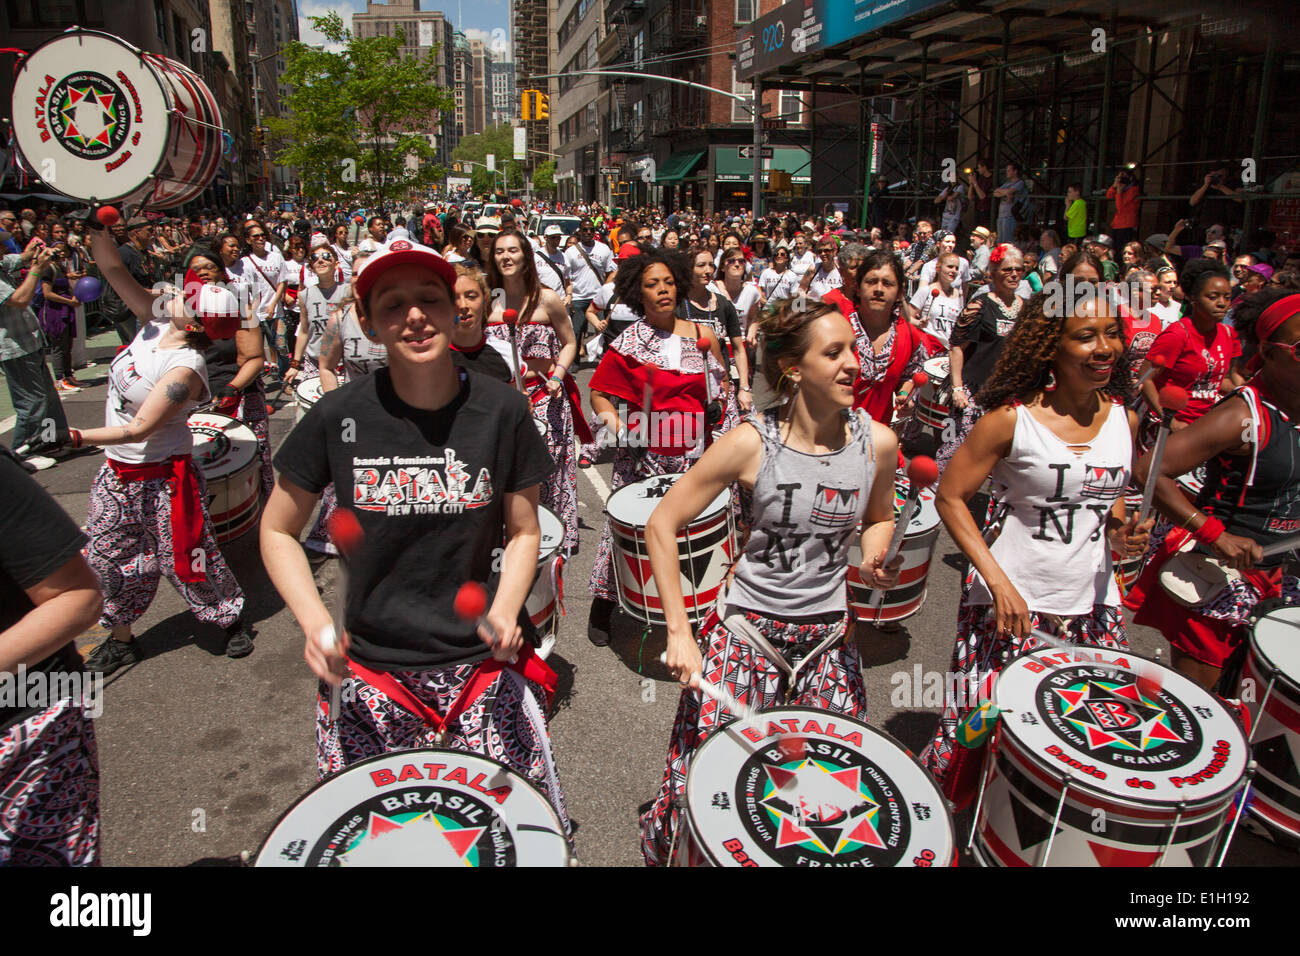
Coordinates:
(177, 392)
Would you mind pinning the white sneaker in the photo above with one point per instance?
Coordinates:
(39, 462)
(548, 645)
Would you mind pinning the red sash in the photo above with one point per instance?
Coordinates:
(187, 508)
(529, 665)
(626, 378)
(539, 394)
(878, 397)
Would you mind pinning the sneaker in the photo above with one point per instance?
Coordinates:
(39, 462)
(63, 385)
(598, 621)
(584, 461)
(239, 639)
(112, 655)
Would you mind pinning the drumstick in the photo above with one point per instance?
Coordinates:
(471, 605)
(1158, 362)
(510, 317)
(918, 379)
(1281, 546)
(345, 531)
(921, 473)
(1172, 399)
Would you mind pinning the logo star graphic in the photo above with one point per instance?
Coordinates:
(824, 808)
(421, 841)
(89, 115)
(1118, 717)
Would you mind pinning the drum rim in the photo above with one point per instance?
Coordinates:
(543, 555)
(1292, 681)
(719, 504)
(559, 824)
(249, 439)
(1079, 783)
(821, 714)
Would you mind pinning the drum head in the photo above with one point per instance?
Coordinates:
(552, 532)
(632, 504)
(937, 368)
(1082, 713)
(419, 808)
(925, 517)
(90, 115)
(850, 796)
(309, 391)
(222, 445)
(1276, 638)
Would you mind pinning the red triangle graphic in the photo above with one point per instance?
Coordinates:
(1071, 697)
(102, 137)
(1159, 731)
(1098, 737)
(462, 840)
(71, 130)
(1130, 691)
(1115, 856)
(864, 832)
(75, 96)
(380, 825)
(779, 775)
(789, 834)
(850, 777)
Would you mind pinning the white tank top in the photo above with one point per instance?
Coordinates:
(1053, 543)
(361, 355)
(134, 374)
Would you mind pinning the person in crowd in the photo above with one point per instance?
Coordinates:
(56, 307)
(825, 276)
(1008, 194)
(590, 263)
(702, 304)
(1076, 214)
(1126, 193)
(32, 392)
(938, 304)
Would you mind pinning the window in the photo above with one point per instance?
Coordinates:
(746, 10)
(791, 107)
(33, 14)
(638, 49)
(739, 112)
(160, 20)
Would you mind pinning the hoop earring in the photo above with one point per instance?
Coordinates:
(1050, 384)
(794, 381)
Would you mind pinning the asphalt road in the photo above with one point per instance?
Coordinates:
(201, 754)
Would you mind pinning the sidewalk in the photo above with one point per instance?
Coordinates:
(100, 349)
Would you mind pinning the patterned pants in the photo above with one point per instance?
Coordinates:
(372, 724)
(962, 420)
(560, 490)
(319, 539)
(252, 412)
(49, 789)
(832, 682)
(130, 529)
(628, 467)
(981, 651)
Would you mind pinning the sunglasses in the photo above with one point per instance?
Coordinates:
(257, 235)
(322, 257)
(734, 262)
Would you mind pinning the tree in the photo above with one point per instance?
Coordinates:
(358, 121)
(544, 177)
(498, 141)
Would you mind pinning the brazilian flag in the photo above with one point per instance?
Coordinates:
(974, 731)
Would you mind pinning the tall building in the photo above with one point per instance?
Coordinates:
(237, 177)
(480, 91)
(535, 51)
(271, 27)
(463, 82)
(576, 107)
(421, 29)
(504, 107)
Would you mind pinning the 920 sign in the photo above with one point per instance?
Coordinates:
(773, 37)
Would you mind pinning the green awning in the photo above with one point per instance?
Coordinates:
(728, 167)
(678, 166)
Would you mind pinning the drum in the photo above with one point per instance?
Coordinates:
(706, 548)
(97, 118)
(306, 394)
(1191, 483)
(540, 424)
(1128, 569)
(850, 795)
(1090, 767)
(932, 399)
(548, 586)
(225, 450)
(1270, 688)
(419, 808)
(917, 550)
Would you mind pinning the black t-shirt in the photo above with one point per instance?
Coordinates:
(983, 339)
(485, 360)
(428, 489)
(723, 314)
(36, 539)
(222, 359)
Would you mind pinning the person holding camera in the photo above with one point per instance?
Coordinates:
(1127, 196)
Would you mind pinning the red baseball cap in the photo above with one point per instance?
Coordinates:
(627, 250)
(397, 252)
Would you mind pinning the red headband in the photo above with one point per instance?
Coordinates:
(1270, 320)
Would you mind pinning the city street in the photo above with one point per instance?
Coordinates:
(201, 754)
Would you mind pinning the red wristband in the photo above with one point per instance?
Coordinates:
(75, 435)
(1209, 532)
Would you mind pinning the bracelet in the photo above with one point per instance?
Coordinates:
(743, 389)
(562, 369)
(1209, 532)
(1187, 524)
(296, 365)
(75, 435)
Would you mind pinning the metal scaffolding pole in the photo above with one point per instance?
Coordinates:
(1267, 84)
(920, 124)
(758, 148)
(996, 158)
(1103, 143)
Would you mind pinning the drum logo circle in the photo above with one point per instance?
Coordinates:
(89, 115)
(1103, 712)
(216, 443)
(417, 826)
(829, 807)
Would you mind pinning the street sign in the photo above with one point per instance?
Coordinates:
(610, 170)
(521, 143)
(747, 152)
(775, 123)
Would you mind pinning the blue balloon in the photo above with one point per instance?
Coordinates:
(87, 289)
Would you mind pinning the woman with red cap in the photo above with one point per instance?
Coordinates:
(440, 467)
(147, 514)
(1250, 497)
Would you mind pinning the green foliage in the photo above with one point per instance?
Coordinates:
(356, 116)
(544, 177)
(500, 142)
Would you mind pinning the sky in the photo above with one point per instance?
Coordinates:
(481, 17)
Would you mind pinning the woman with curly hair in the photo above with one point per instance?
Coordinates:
(1057, 442)
(1250, 496)
(795, 609)
(977, 342)
(662, 351)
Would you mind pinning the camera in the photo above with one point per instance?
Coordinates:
(1126, 177)
(1216, 178)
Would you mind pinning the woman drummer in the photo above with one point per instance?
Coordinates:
(788, 600)
(439, 465)
(148, 514)
(1250, 497)
(547, 347)
(662, 351)
(316, 301)
(471, 346)
(1057, 441)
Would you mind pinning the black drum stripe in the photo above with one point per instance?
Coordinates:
(897, 596)
(1278, 794)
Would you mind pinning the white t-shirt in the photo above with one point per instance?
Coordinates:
(1168, 314)
(801, 264)
(132, 377)
(931, 269)
(823, 282)
(940, 312)
(549, 275)
(778, 285)
(264, 277)
(345, 260)
(745, 300)
(369, 244)
(585, 282)
(620, 316)
(315, 307)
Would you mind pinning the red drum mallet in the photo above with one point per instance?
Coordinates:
(922, 472)
(471, 605)
(1158, 363)
(345, 531)
(1173, 400)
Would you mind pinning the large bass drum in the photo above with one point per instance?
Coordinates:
(97, 118)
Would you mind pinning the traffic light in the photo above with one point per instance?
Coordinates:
(259, 138)
(534, 105)
(525, 112)
(543, 104)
